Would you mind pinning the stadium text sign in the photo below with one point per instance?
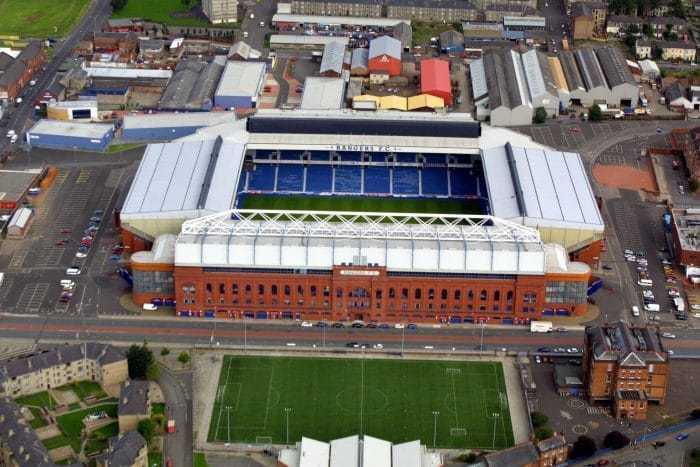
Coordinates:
(353, 272)
(364, 147)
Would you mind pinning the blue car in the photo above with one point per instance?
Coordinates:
(412, 327)
(682, 437)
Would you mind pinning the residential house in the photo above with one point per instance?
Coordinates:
(546, 453)
(126, 450)
(134, 404)
(444, 11)
(19, 444)
(369, 8)
(643, 49)
(661, 24)
(17, 74)
(618, 25)
(694, 97)
(680, 51)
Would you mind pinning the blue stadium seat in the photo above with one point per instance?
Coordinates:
(377, 180)
(290, 178)
(262, 178)
(319, 179)
(320, 156)
(481, 185)
(462, 182)
(348, 179)
(350, 156)
(263, 154)
(242, 182)
(406, 158)
(378, 157)
(434, 158)
(434, 181)
(405, 181)
(290, 155)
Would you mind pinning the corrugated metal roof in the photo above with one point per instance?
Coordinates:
(525, 21)
(519, 93)
(127, 73)
(179, 119)
(614, 67)
(591, 72)
(360, 58)
(241, 79)
(571, 71)
(75, 130)
(385, 45)
(323, 93)
(332, 60)
(20, 218)
(393, 102)
(478, 77)
(558, 74)
(423, 101)
(533, 73)
(338, 20)
(435, 75)
(302, 40)
(376, 452)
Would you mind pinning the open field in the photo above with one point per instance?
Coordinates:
(40, 18)
(361, 204)
(391, 399)
(160, 11)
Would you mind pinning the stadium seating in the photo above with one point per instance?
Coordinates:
(319, 179)
(348, 179)
(320, 156)
(462, 183)
(350, 156)
(263, 154)
(434, 181)
(405, 181)
(406, 158)
(434, 159)
(290, 178)
(377, 180)
(262, 178)
(378, 157)
(290, 155)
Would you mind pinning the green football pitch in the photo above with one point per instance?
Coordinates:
(361, 204)
(325, 399)
(40, 18)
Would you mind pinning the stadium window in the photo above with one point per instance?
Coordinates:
(261, 289)
(530, 297)
(378, 294)
(417, 294)
(509, 297)
(339, 292)
(222, 289)
(234, 288)
(313, 290)
(273, 289)
(430, 306)
(470, 295)
(482, 308)
(326, 291)
(484, 295)
(248, 288)
(287, 290)
(470, 307)
(404, 293)
(300, 290)
(496, 295)
(392, 292)
(431, 294)
(458, 294)
(443, 294)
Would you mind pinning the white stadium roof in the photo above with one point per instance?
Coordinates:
(345, 452)
(176, 119)
(313, 453)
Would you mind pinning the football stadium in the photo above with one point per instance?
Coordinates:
(342, 215)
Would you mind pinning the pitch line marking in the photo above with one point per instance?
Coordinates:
(269, 393)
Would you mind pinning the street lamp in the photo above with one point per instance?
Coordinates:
(435, 416)
(286, 412)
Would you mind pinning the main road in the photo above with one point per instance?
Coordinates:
(219, 333)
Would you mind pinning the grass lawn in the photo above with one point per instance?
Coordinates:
(56, 442)
(85, 389)
(94, 446)
(40, 399)
(71, 424)
(361, 203)
(40, 18)
(38, 420)
(106, 431)
(389, 399)
(200, 460)
(115, 148)
(159, 11)
(422, 32)
(158, 408)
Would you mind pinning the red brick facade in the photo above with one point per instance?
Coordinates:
(368, 294)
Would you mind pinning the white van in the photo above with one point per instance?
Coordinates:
(67, 283)
(635, 310)
(149, 307)
(645, 282)
(652, 307)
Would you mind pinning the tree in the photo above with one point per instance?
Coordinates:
(147, 428)
(185, 3)
(538, 419)
(164, 351)
(118, 4)
(540, 115)
(583, 447)
(646, 29)
(139, 358)
(153, 372)
(595, 114)
(695, 413)
(183, 358)
(615, 440)
(656, 53)
(543, 433)
(633, 29)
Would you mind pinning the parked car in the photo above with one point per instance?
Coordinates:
(338, 325)
(681, 436)
(73, 271)
(668, 335)
(306, 324)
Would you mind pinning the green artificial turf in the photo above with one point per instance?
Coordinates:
(160, 11)
(40, 18)
(389, 399)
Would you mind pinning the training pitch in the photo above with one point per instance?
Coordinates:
(361, 204)
(40, 18)
(278, 400)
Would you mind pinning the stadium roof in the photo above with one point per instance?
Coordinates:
(385, 45)
(338, 20)
(176, 119)
(192, 177)
(376, 452)
(545, 188)
(345, 452)
(241, 79)
(323, 93)
(456, 244)
(313, 453)
(333, 53)
(75, 130)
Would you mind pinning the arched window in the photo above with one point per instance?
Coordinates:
(339, 292)
(484, 295)
(300, 290)
(417, 294)
(234, 288)
(404, 293)
(313, 290)
(287, 290)
(392, 292)
(496, 295)
(458, 294)
(443, 294)
(431, 294)
(273, 289)
(248, 288)
(509, 297)
(261, 289)
(470, 295)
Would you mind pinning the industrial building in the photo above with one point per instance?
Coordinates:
(55, 134)
(540, 82)
(85, 110)
(597, 91)
(355, 451)
(192, 85)
(286, 22)
(385, 56)
(299, 42)
(240, 85)
(359, 63)
(14, 185)
(332, 60)
(508, 265)
(168, 126)
(686, 240)
(323, 93)
(220, 11)
(624, 90)
(435, 79)
(19, 222)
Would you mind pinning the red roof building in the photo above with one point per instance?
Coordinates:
(385, 56)
(435, 79)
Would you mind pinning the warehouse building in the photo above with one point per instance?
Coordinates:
(385, 56)
(287, 22)
(240, 85)
(508, 99)
(540, 83)
(332, 61)
(84, 110)
(435, 79)
(404, 33)
(192, 85)
(299, 42)
(323, 93)
(576, 87)
(624, 90)
(54, 134)
(593, 78)
(169, 126)
(562, 87)
(14, 185)
(359, 63)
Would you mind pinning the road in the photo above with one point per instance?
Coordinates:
(177, 390)
(18, 118)
(242, 334)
